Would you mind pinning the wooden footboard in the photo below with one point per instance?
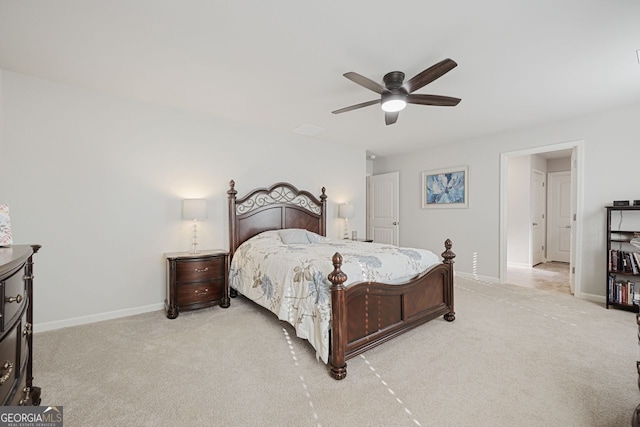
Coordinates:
(369, 313)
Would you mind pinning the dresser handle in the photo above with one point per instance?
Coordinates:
(200, 270)
(27, 329)
(203, 292)
(17, 299)
(7, 365)
(27, 395)
(25, 392)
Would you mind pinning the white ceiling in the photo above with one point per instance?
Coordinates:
(279, 64)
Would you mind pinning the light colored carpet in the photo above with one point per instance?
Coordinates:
(550, 276)
(515, 356)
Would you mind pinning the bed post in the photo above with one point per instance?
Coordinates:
(323, 222)
(339, 320)
(232, 217)
(233, 231)
(448, 256)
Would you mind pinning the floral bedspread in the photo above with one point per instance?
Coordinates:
(291, 279)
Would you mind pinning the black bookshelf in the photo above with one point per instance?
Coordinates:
(623, 267)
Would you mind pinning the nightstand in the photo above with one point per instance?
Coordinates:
(196, 281)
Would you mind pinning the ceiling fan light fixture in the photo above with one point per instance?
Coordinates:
(393, 103)
(395, 94)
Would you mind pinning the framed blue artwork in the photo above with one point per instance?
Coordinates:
(446, 188)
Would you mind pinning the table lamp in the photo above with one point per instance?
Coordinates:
(194, 210)
(345, 211)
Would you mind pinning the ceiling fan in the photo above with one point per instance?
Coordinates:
(395, 95)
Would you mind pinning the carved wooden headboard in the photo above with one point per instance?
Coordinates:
(280, 206)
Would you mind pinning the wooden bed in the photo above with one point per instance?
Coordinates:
(364, 314)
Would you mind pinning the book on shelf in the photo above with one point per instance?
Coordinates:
(624, 262)
(628, 267)
(632, 261)
(623, 291)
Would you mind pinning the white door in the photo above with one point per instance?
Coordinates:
(559, 224)
(538, 207)
(384, 207)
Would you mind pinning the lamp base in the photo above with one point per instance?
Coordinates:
(194, 244)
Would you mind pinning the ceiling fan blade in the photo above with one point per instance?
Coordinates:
(429, 75)
(391, 118)
(355, 107)
(441, 101)
(365, 82)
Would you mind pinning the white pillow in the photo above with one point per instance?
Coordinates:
(294, 236)
(313, 237)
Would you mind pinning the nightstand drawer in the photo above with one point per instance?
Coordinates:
(200, 269)
(200, 292)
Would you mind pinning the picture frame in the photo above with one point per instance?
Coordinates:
(446, 188)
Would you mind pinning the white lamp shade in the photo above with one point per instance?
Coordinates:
(194, 209)
(345, 210)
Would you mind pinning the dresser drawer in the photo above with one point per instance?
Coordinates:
(199, 269)
(8, 364)
(14, 298)
(19, 396)
(200, 292)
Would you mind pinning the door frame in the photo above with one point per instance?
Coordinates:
(578, 177)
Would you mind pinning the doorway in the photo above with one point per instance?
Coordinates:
(517, 230)
(383, 207)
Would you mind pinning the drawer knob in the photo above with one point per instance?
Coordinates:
(8, 366)
(27, 329)
(17, 299)
(202, 292)
(200, 270)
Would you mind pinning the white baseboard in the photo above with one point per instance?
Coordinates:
(591, 297)
(518, 265)
(83, 320)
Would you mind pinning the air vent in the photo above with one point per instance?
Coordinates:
(308, 130)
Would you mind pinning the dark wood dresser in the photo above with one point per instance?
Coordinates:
(196, 281)
(635, 419)
(16, 320)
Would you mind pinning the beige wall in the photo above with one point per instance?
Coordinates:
(562, 164)
(608, 175)
(519, 211)
(98, 181)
